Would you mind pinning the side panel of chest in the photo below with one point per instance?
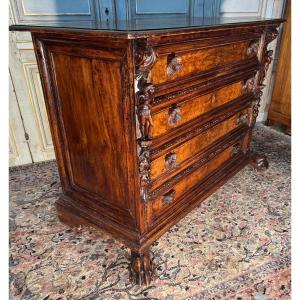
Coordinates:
(93, 123)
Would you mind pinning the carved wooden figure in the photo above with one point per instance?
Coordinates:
(147, 122)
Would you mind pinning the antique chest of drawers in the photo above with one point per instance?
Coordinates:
(148, 122)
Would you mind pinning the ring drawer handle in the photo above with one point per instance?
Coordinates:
(174, 115)
(168, 198)
(242, 119)
(170, 160)
(174, 64)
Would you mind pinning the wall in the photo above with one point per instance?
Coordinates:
(30, 139)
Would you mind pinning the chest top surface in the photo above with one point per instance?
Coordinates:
(140, 27)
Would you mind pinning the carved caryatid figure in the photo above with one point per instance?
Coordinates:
(145, 99)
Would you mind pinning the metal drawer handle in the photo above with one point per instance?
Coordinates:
(174, 115)
(242, 119)
(168, 198)
(170, 161)
(174, 64)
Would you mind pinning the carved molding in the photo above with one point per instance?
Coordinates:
(145, 58)
(255, 85)
(144, 170)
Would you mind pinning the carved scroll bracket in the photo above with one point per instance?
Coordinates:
(145, 58)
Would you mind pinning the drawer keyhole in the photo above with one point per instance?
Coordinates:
(174, 115)
(170, 161)
(168, 198)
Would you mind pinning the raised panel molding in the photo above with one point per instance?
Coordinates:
(26, 80)
(37, 104)
(19, 153)
(62, 10)
(56, 8)
(156, 7)
(234, 8)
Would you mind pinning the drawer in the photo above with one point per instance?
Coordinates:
(171, 117)
(174, 65)
(174, 159)
(168, 199)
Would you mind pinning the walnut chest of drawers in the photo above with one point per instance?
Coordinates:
(148, 123)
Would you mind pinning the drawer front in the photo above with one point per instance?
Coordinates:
(174, 65)
(176, 115)
(172, 161)
(163, 203)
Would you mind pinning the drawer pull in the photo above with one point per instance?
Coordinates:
(253, 49)
(168, 198)
(174, 64)
(242, 119)
(174, 115)
(170, 161)
(236, 149)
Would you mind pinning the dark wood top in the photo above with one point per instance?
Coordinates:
(141, 27)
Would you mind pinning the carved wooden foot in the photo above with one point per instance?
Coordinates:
(260, 162)
(141, 268)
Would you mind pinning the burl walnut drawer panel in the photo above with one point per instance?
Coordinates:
(164, 202)
(175, 65)
(169, 118)
(173, 160)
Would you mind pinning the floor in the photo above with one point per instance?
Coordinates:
(236, 245)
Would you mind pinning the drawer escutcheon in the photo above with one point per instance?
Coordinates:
(242, 119)
(168, 198)
(170, 161)
(174, 64)
(174, 115)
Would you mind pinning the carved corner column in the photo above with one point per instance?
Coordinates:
(141, 266)
(145, 58)
(256, 85)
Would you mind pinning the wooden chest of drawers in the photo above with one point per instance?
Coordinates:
(148, 123)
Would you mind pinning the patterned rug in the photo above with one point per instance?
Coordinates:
(236, 245)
